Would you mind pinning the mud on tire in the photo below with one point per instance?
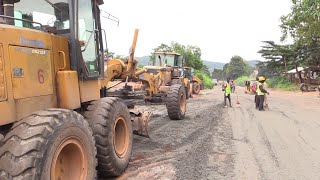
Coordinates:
(176, 102)
(110, 121)
(176, 81)
(30, 149)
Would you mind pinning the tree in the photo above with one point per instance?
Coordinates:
(191, 55)
(303, 24)
(281, 57)
(237, 67)
(161, 48)
(218, 74)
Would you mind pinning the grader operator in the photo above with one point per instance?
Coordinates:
(55, 119)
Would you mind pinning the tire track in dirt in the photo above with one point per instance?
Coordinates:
(185, 149)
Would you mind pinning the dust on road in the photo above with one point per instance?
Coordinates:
(214, 142)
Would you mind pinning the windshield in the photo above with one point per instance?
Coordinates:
(164, 60)
(53, 13)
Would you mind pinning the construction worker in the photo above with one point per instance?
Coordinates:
(260, 94)
(227, 91)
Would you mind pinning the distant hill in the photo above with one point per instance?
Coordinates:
(144, 60)
(213, 65)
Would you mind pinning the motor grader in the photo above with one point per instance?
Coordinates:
(56, 121)
(162, 82)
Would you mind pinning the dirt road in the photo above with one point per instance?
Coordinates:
(214, 142)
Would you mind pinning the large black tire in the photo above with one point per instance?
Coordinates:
(110, 121)
(188, 93)
(196, 88)
(304, 87)
(176, 81)
(176, 102)
(52, 144)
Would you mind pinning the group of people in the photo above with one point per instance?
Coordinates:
(259, 97)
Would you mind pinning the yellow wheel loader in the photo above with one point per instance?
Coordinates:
(56, 121)
(162, 82)
(195, 83)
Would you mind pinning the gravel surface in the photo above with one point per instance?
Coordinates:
(214, 142)
(198, 147)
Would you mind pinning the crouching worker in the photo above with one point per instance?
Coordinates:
(261, 93)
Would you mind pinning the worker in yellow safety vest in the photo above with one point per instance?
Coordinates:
(227, 91)
(261, 93)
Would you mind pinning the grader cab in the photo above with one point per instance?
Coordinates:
(55, 119)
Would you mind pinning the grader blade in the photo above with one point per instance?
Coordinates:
(140, 121)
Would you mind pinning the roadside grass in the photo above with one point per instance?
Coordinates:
(207, 80)
(281, 82)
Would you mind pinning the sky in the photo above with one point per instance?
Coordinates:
(221, 28)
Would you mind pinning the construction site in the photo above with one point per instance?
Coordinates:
(71, 110)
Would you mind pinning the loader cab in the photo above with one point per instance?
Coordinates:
(78, 20)
(168, 59)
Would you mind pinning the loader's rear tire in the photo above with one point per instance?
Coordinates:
(52, 144)
(176, 102)
(110, 121)
(196, 88)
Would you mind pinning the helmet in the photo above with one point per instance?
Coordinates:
(261, 78)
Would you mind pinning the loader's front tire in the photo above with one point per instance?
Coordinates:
(52, 144)
(196, 88)
(176, 102)
(110, 121)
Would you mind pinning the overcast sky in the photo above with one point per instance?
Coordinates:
(221, 28)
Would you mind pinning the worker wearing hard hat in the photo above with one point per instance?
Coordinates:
(261, 93)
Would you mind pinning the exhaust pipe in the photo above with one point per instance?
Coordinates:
(8, 10)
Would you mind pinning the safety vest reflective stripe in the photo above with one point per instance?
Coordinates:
(228, 89)
(259, 93)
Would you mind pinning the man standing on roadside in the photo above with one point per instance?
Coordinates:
(260, 94)
(227, 91)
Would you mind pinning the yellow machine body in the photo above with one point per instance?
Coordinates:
(35, 74)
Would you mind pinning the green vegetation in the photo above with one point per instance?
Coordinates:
(236, 68)
(302, 25)
(240, 80)
(206, 79)
(281, 82)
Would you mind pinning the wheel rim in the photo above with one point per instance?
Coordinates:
(70, 160)
(183, 102)
(121, 137)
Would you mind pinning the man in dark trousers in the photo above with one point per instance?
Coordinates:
(261, 93)
(227, 91)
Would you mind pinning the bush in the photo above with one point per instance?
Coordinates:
(241, 80)
(281, 82)
(206, 80)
